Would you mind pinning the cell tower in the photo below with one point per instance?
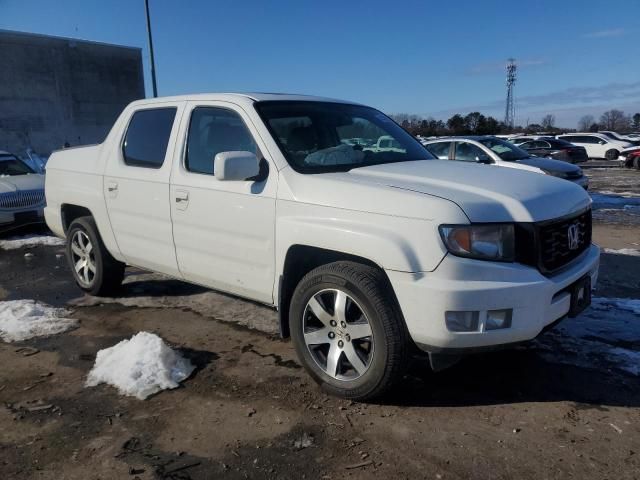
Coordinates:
(510, 109)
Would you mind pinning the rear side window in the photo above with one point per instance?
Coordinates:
(145, 144)
(213, 130)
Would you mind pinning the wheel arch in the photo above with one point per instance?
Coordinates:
(301, 259)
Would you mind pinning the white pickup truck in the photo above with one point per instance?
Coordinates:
(366, 254)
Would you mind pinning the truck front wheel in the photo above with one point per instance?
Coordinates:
(348, 331)
(94, 269)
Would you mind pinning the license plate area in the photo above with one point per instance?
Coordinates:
(580, 296)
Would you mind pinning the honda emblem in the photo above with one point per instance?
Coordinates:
(573, 236)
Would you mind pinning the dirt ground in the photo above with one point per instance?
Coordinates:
(250, 411)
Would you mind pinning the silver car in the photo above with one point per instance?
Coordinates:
(21, 193)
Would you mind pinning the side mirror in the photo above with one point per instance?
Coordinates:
(602, 142)
(236, 166)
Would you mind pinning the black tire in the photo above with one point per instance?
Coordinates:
(370, 292)
(109, 272)
(612, 154)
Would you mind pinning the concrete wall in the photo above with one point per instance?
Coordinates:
(56, 90)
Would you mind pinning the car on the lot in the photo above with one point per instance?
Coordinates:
(620, 138)
(22, 198)
(631, 158)
(495, 151)
(596, 144)
(366, 254)
(555, 148)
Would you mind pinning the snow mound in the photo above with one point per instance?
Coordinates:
(24, 319)
(140, 366)
(623, 251)
(14, 243)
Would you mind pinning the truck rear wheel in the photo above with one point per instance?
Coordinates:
(348, 330)
(94, 269)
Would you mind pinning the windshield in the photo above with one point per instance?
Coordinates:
(318, 137)
(505, 150)
(10, 165)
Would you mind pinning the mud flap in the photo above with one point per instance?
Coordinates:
(441, 361)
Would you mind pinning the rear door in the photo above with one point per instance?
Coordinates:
(136, 187)
(224, 231)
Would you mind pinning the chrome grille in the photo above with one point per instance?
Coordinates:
(21, 199)
(555, 251)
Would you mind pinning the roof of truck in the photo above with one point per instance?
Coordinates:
(250, 96)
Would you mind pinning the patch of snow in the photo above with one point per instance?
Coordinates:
(24, 319)
(140, 366)
(14, 243)
(608, 332)
(623, 251)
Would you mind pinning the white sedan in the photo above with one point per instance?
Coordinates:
(21, 193)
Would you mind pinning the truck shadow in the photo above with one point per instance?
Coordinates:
(513, 376)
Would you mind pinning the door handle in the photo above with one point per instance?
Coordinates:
(112, 189)
(182, 199)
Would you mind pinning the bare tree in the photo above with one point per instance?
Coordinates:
(548, 122)
(585, 123)
(614, 120)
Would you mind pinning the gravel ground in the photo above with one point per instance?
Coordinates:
(551, 409)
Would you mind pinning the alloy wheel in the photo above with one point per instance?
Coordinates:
(338, 334)
(83, 258)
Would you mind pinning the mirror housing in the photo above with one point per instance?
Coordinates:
(235, 166)
(484, 159)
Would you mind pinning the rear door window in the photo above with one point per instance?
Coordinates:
(147, 137)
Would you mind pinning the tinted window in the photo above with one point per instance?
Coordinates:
(440, 149)
(320, 137)
(505, 150)
(10, 165)
(213, 130)
(145, 144)
(559, 144)
(591, 139)
(467, 152)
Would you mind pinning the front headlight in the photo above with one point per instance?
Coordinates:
(483, 242)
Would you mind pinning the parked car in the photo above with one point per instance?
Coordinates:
(631, 158)
(21, 193)
(365, 254)
(596, 144)
(621, 138)
(498, 152)
(554, 148)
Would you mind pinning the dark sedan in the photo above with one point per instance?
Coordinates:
(557, 149)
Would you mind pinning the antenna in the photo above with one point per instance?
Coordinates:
(510, 109)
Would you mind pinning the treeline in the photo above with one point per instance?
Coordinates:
(475, 123)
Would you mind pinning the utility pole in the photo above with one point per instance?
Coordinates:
(510, 109)
(153, 62)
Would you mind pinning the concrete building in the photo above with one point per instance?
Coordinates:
(60, 90)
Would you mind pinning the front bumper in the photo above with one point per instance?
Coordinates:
(10, 219)
(460, 284)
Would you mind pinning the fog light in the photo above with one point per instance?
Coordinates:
(498, 319)
(462, 321)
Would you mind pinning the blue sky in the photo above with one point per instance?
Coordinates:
(423, 57)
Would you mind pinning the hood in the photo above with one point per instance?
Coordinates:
(485, 194)
(550, 164)
(14, 183)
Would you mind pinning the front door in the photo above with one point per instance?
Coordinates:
(224, 231)
(136, 188)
